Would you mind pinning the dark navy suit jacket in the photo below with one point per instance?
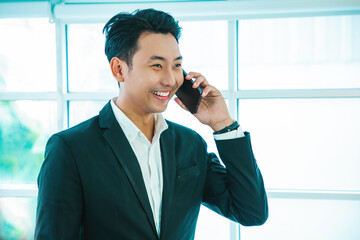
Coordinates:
(91, 186)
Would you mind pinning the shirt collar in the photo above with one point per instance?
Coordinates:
(130, 129)
(160, 126)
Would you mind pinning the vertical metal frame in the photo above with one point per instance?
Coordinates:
(234, 228)
(232, 67)
(61, 65)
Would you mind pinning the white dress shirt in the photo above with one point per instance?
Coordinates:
(149, 156)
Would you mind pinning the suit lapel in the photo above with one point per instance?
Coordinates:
(121, 147)
(167, 145)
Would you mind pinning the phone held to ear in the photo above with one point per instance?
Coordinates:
(188, 95)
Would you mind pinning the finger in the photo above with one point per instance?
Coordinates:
(188, 77)
(194, 74)
(178, 101)
(200, 81)
(207, 90)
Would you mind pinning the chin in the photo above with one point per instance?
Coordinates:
(160, 109)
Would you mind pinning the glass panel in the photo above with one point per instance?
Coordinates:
(82, 110)
(300, 53)
(300, 219)
(305, 143)
(27, 55)
(17, 218)
(88, 66)
(210, 225)
(25, 127)
(204, 46)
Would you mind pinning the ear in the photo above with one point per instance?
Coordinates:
(118, 67)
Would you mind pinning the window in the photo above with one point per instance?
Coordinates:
(88, 67)
(299, 53)
(204, 46)
(17, 217)
(290, 75)
(28, 113)
(305, 144)
(308, 219)
(27, 55)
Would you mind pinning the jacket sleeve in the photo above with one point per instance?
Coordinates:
(59, 207)
(237, 190)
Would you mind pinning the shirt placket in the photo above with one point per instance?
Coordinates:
(154, 184)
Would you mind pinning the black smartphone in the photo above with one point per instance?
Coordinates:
(188, 95)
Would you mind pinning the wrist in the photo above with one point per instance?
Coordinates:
(227, 129)
(223, 124)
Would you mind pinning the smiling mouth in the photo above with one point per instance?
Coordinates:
(161, 94)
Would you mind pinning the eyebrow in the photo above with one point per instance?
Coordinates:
(155, 57)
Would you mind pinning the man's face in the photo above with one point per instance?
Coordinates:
(155, 76)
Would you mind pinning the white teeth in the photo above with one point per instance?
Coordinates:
(162, 94)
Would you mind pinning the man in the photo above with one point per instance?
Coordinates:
(128, 173)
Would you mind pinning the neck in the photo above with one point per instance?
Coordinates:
(144, 122)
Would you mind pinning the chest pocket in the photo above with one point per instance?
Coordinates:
(187, 172)
(188, 189)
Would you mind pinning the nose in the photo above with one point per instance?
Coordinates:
(169, 78)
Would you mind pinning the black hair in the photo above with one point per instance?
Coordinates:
(124, 29)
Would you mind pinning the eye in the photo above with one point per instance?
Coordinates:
(157, 65)
(178, 65)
